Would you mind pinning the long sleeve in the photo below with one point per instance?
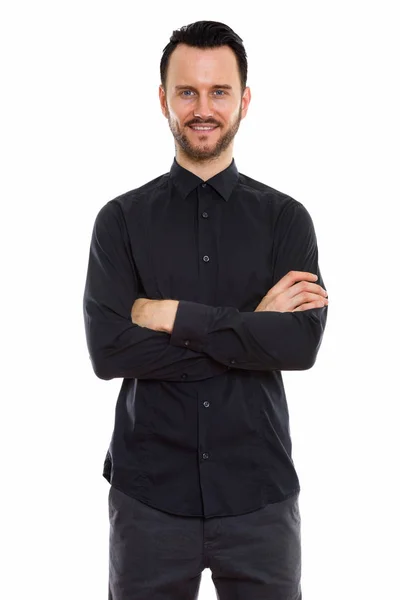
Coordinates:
(118, 347)
(262, 340)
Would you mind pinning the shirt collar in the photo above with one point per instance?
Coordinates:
(186, 181)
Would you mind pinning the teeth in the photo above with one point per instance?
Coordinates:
(203, 128)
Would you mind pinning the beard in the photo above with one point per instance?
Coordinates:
(203, 151)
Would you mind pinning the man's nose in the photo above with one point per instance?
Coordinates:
(204, 107)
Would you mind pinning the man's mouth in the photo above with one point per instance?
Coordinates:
(203, 127)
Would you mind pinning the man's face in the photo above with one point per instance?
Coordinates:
(205, 83)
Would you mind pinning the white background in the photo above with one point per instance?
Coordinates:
(81, 124)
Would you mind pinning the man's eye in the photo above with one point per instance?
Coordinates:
(188, 92)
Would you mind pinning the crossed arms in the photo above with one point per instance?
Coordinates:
(177, 337)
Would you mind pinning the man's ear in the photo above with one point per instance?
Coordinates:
(245, 101)
(163, 100)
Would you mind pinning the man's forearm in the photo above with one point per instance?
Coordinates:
(170, 311)
(158, 315)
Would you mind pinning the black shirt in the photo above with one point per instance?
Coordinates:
(201, 421)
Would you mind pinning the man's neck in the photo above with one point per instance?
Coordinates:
(205, 170)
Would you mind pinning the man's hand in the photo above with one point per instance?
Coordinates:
(158, 315)
(289, 296)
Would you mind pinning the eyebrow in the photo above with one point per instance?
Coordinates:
(223, 86)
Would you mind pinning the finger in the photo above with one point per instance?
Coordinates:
(306, 287)
(309, 305)
(292, 277)
(303, 297)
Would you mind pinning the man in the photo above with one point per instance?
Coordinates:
(202, 286)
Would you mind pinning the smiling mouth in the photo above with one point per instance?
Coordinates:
(203, 128)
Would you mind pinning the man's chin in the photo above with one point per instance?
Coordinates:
(205, 150)
(201, 153)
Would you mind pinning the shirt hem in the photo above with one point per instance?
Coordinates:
(208, 516)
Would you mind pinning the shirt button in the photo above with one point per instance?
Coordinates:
(206, 404)
(184, 375)
(205, 455)
(233, 361)
(205, 214)
(203, 185)
(187, 342)
(206, 258)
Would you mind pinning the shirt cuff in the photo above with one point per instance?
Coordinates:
(191, 325)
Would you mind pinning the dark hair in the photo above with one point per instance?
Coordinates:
(206, 34)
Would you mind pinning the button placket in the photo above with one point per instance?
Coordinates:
(205, 196)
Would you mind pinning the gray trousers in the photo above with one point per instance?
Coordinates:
(155, 555)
